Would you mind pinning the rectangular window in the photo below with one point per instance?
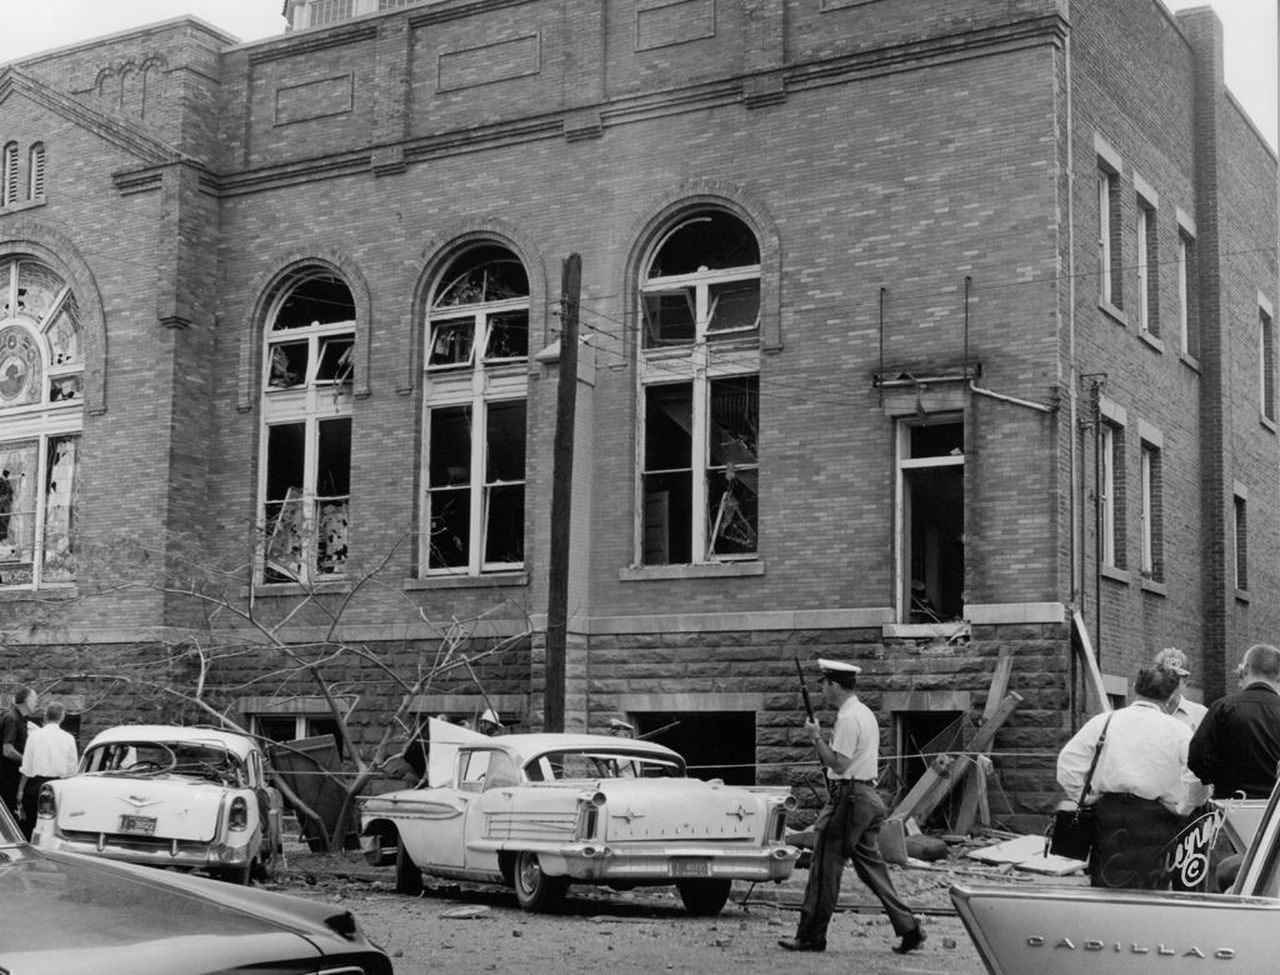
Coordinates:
(325, 12)
(1148, 262)
(1242, 543)
(1266, 365)
(1109, 257)
(1111, 494)
(39, 494)
(1187, 311)
(1152, 513)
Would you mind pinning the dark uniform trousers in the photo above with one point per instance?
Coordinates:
(848, 826)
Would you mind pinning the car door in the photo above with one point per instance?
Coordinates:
(488, 821)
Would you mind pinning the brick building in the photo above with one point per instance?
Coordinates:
(910, 330)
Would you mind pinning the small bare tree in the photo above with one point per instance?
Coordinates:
(229, 648)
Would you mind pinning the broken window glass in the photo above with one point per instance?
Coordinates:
(61, 498)
(712, 240)
(670, 317)
(451, 344)
(504, 483)
(18, 485)
(483, 274)
(450, 486)
(288, 365)
(65, 388)
(668, 473)
(937, 440)
(64, 334)
(38, 290)
(731, 474)
(335, 360)
(322, 299)
(508, 336)
(735, 307)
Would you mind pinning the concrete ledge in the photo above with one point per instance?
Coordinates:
(995, 613)
(707, 570)
(818, 619)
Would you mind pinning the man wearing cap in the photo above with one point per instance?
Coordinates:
(489, 723)
(849, 823)
(1189, 712)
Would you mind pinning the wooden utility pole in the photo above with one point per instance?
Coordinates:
(562, 495)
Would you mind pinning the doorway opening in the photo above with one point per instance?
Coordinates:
(931, 522)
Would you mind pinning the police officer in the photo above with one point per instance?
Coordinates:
(849, 823)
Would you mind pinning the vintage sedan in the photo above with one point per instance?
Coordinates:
(1060, 930)
(66, 914)
(191, 798)
(539, 812)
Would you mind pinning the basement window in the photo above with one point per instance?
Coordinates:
(306, 438)
(476, 362)
(700, 392)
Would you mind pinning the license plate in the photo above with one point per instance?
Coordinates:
(689, 867)
(146, 825)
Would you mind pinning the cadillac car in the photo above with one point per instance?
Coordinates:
(538, 812)
(190, 798)
(66, 914)
(1060, 930)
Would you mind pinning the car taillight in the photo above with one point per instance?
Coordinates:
(779, 825)
(239, 814)
(589, 814)
(47, 804)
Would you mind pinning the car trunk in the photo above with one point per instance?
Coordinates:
(644, 810)
(177, 808)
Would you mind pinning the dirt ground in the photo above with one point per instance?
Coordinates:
(474, 928)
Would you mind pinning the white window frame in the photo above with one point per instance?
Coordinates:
(1145, 223)
(1266, 363)
(477, 384)
(1108, 498)
(906, 463)
(1148, 491)
(1185, 244)
(43, 421)
(1106, 187)
(310, 403)
(698, 363)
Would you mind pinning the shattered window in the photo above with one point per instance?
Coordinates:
(476, 358)
(306, 477)
(699, 312)
(41, 391)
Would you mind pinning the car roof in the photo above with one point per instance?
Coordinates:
(181, 734)
(528, 745)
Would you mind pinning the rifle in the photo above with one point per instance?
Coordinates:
(804, 691)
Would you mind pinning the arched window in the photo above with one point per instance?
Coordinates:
(700, 392)
(35, 171)
(305, 473)
(41, 415)
(477, 353)
(9, 175)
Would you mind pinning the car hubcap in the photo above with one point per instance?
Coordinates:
(530, 873)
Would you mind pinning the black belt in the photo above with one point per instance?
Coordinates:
(836, 785)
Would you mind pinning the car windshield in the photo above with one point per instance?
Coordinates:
(569, 764)
(205, 760)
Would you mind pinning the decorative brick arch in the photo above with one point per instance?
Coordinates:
(696, 194)
(439, 249)
(53, 247)
(264, 290)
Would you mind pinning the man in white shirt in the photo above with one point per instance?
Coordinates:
(848, 826)
(1141, 791)
(50, 753)
(1189, 712)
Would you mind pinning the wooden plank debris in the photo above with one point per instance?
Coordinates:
(1089, 661)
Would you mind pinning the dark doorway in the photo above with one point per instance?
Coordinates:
(714, 744)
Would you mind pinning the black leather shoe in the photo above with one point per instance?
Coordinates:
(795, 944)
(910, 941)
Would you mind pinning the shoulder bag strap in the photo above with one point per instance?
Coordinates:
(1097, 752)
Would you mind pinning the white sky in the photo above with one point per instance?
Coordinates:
(28, 26)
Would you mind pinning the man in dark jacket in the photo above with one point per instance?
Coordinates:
(1237, 746)
(13, 739)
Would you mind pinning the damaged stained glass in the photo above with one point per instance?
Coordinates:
(668, 473)
(504, 483)
(320, 299)
(732, 474)
(483, 274)
(450, 486)
(61, 499)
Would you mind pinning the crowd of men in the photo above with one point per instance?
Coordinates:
(1147, 771)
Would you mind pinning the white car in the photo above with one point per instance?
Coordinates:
(541, 811)
(192, 798)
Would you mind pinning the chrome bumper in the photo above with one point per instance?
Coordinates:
(624, 862)
(184, 855)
